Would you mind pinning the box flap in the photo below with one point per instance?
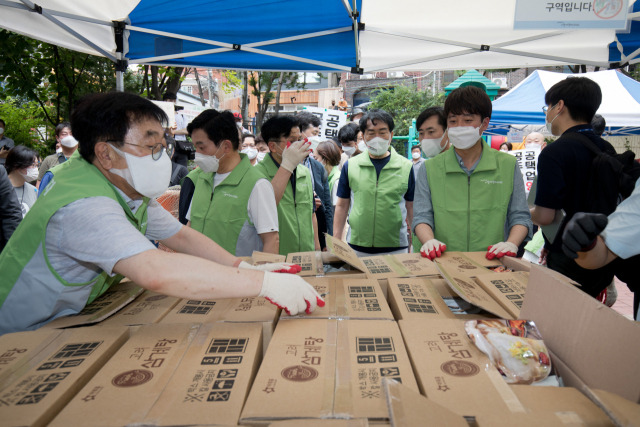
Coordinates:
(343, 251)
(600, 345)
(621, 411)
(465, 286)
(149, 307)
(109, 303)
(416, 298)
(407, 408)
(507, 289)
(310, 262)
(347, 299)
(258, 258)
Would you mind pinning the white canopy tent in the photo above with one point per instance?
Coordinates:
(344, 35)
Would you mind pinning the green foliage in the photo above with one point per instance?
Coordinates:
(405, 103)
(153, 81)
(50, 75)
(233, 81)
(27, 125)
(262, 84)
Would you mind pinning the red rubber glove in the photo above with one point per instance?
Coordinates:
(501, 249)
(274, 267)
(433, 249)
(290, 293)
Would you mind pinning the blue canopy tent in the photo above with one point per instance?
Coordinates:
(304, 35)
(522, 105)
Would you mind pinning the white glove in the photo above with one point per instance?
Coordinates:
(275, 267)
(501, 249)
(294, 154)
(290, 293)
(433, 249)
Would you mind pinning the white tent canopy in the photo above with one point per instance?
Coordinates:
(400, 35)
(522, 105)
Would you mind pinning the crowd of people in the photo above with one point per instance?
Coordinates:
(91, 218)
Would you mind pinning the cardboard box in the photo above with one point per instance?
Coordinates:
(258, 258)
(311, 263)
(452, 371)
(416, 298)
(507, 289)
(408, 408)
(347, 299)
(50, 378)
(241, 310)
(168, 375)
(106, 305)
(383, 266)
(459, 272)
(590, 343)
(327, 369)
(20, 351)
(360, 422)
(149, 307)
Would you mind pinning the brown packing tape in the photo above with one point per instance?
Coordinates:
(396, 265)
(340, 298)
(319, 264)
(343, 404)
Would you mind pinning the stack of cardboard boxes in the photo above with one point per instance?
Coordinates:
(388, 347)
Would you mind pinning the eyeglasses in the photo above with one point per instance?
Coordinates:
(545, 108)
(156, 149)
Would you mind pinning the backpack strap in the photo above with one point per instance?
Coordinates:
(588, 143)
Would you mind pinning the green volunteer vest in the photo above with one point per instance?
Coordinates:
(220, 215)
(376, 217)
(470, 211)
(73, 180)
(333, 178)
(294, 214)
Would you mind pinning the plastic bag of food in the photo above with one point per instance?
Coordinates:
(515, 347)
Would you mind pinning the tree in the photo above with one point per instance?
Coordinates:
(405, 103)
(26, 124)
(262, 83)
(156, 80)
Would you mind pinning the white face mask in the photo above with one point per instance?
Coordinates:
(362, 146)
(251, 153)
(505, 149)
(208, 163)
(431, 147)
(147, 176)
(1, 131)
(31, 175)
(261, 155)
(356, 121)
(69, 141)
(463, 137)
(348, 150)
(415, 156)
(58, 150)
(315, 141)
(378, 146)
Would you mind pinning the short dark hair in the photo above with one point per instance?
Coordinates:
(108, 117)
(260, 139)
(469, 100)
(598, 123)
(218, 126)
(329, 150)
(373, 116)
(61, 126)
(429, 112)
(305, 120)
(416, 146)
(169, 95)
(19, 157)
(248, 135)
(508, 144)
(3, 123)
(348, 133)
(581, 95)
(278, 127)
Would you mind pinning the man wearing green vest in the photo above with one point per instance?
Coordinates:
(470, 198)
(375, 191)
(291, 183)
(93, 224)
(232, 203)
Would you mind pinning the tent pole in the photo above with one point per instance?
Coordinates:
(119, 81)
